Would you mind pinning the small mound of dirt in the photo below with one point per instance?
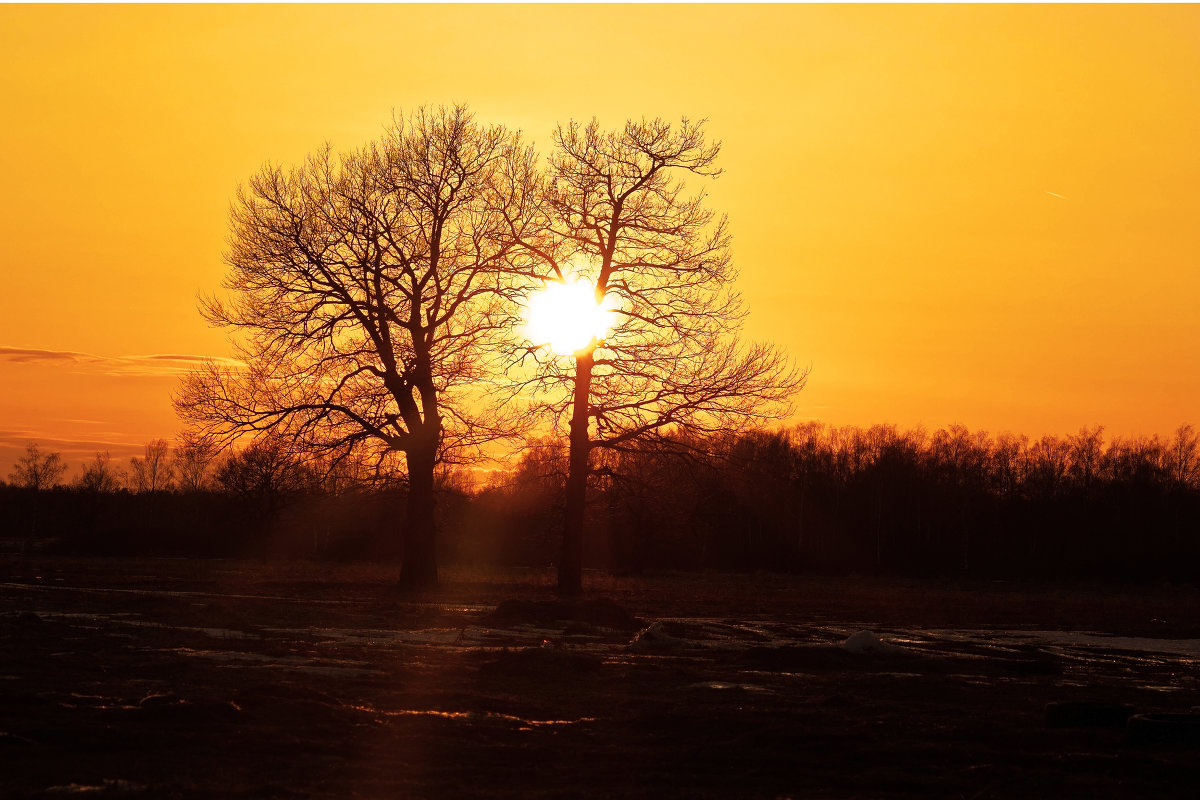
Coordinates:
(11, 739)
(662, 637)
(22, 622)
(541, 663)
(1165, 729)
(601, 612)
(110, 787)
(819, 658)
(1028, 665)
(868, 642)
(1084, 714)
(169, 706)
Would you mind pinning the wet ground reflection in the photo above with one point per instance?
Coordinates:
(194, 694)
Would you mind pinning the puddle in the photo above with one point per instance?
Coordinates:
(94, 702)
(1142, 660)
(109, 786)
(225, 655)
(332, 668)
(474, 716)
(169, 593)
(460, 637)
(725, 686)
(331, 672)
(1078, 647)
(1189, 648)
(682, 634)
(130, 620)
(224, 633)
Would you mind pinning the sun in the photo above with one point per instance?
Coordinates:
(566, 316)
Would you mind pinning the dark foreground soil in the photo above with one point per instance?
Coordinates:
(164, 678)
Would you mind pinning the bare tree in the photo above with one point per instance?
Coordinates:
(37, 470)
(1007, 458)
(154, 472)
(617, 213)
(98, 476)
(264, 472)
(1184, 456)
(366, 291)
(1086, 450)
(1049, 459)
(193, 457)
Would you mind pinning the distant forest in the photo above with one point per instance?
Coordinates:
(812, 498)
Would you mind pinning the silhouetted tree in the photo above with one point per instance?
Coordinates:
(154, 472)
(1049, 460)
(617, 213)
(1008, 463)
(193, 456)
(540, 475)
(517, 514)
(1184, 457)
(37, 470)
(98, 476)
(1085, 450)
(264, 474)
(1136, 460)
(366, 288)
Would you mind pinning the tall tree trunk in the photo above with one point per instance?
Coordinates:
(570, 566)
(419, 571)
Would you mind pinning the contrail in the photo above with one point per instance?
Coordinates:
(1055, 194)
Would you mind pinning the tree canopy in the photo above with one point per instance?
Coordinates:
(617, 212)
(366, 290)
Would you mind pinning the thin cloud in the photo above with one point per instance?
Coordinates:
(23, 355)
(164, 364)
(13, 443)
(156, 364)
(175, 357)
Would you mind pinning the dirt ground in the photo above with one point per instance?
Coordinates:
(190, 679)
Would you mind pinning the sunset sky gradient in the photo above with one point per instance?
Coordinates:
(977, 214)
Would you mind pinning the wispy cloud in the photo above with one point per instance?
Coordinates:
(24, 354)
(162, 364)
(13, 443)
(158, 364)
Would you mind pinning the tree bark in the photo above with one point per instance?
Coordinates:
(570, 566)
(418, 571)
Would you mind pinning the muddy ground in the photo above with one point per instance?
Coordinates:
(189, 679)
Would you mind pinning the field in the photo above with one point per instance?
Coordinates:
(190, 679)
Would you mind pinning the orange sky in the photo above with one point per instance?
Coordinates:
(975, 214)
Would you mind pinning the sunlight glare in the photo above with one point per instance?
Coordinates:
(567, 317)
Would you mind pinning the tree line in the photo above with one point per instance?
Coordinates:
(950, 502)
(190, 465)
(810, 498)
(190, 499)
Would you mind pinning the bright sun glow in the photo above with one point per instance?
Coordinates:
(566, 316)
